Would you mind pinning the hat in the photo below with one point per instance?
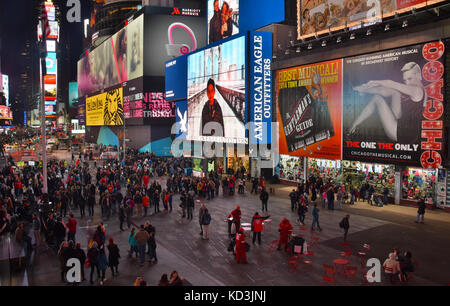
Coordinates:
(241, 229)
(238, 207)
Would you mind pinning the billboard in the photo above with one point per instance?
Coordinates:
(254, 14)
(176, 70)
(51, 63)
(117, 60)
(320, 15)
(73, 94)
(105, 108)
(394, 106)
(5, 112)
(168, 36)
(54, 30)
(51, 45)
(5, 84)
(217, 93)
(223, 19)
(260, 83)
(309, 109)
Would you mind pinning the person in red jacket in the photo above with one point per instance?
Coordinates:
(145, 180)
(240, 247)
(285, 230)
(257, 226)
(236, 214)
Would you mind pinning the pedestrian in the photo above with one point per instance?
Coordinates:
(133, 244)
(240, 247)
(122, 216)
(345, 224)
(36, 225)
(315, 215)
(113, 256)
(128, 215)
(60, 232)
(102, 265)
(81, 256)
(236, 214)
(152, 247)
(330, 198)
(264, 197)
(93, 254)
(71, 228)
(175, 280)
(200, 218)
(205, 221)
(99, 237)
(190, 206)
(150, 229)
(301, 211)
(164, 281)
(63, 257)
(285, 230)
(141, 238)
(257, 226)
(421, 211)
(391, 267)
(91, 203)
(294, 199)
(145, 203)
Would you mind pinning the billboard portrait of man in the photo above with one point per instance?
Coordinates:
(212, 112)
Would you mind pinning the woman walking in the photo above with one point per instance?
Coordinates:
(113, 256)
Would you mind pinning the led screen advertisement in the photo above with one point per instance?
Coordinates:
(51, 63)
(176, 70)
(216, 93)
(309, 110)
(105, 108)
(394, 106)
(54, 30)
(117, 60)
(168, 36)
(73, 94)
(5, 112)
(320, 15)
(223, 19)
(5, 83)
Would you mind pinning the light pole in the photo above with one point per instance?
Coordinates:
(43, 55)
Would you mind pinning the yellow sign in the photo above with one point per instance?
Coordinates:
(105, 108)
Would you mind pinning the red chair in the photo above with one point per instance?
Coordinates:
(350, 271)
(346, 253)
(273, 245)
(328, 279)
(309, 253)
(345, 244)
(329, 269)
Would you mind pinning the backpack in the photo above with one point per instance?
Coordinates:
(207, 219)
(341, 224)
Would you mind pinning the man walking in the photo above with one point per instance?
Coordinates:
(421, 211)
(294, 198)
(264, 197)
(200, 218)
(315, 214)
(330, 198)
(142, 238)
(71, 228)
(345, 224)
(206, 220)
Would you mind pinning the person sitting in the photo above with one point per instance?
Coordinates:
(391, 267)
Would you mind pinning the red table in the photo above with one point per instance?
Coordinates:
(341, 262)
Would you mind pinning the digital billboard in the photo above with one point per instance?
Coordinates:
(54, 30)
(5, 83)
(5, 112)
(394, 106)
(51, 63)
(73, 94)
(168, 36)
(105, 108)
(320, 15)
(51, 45)
(217, 93)
(50, 92)
(176, 70)
(117, 60)
(223, 19)
(309, 100)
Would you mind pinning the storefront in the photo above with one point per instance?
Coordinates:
(419, 184)
(291, 168)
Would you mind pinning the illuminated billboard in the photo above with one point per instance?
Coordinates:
(216, 93)
(223, 19)
(117, 60)
(5, 84)
(54, 30)
(73, 94)
(319, 16)
(5, 112)
(105, 108)
(51, 63)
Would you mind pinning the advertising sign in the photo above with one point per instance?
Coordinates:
(309, 100)
(105, 108)
(51, 45)
(5, 83)
(155, 106)
(317, 16)
(254, 14)
(216, 93)
(81, 110)
(182, 118)
(5, 112)
(170, 36)
(223, 19)
(73, 94)
(176, 70)
(394, 106)
(54, 30)
(260, 87)
(51, 63)
(117, 60)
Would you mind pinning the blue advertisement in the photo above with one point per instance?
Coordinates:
(73, 94)
(50, 63)
(176, 72)
(182, 118)
(260, 82)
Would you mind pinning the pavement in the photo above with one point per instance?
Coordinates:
(208, 263)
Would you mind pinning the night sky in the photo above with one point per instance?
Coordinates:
(18, 20)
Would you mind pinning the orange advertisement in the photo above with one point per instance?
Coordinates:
(309, 110)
